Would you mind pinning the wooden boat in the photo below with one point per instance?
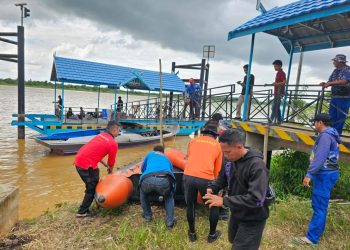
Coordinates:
(115, 189)
(70, 143)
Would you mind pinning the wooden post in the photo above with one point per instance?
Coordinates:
(266, 142)
(161, 103)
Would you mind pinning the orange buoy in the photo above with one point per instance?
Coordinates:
(113, 190)
(177, 158)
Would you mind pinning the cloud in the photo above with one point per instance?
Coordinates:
(137, 33)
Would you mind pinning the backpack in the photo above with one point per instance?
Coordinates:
(270, 196)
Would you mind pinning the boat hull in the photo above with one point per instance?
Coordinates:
(72, 145)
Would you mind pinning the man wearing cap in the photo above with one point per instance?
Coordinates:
(323, 172)
(340, 101)
(278, 92)
(204, 159)
(193, 91)
(241, 97)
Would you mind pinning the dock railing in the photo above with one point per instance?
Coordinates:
(300, 104)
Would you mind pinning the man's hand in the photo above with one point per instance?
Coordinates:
(109, 170)
(213, 200)
(209, 190)
(306, 181)
(325, 84)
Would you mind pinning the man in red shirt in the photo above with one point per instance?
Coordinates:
(87, 159)
(279, 92)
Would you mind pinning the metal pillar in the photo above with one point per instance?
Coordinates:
(98, 97)
(21, 81)
(54, 97)
(288, 76)
(115, 105)
(246, 99)
(201, 83)
(206, 78)
(126, 104)
(301, 58)
(62, 112)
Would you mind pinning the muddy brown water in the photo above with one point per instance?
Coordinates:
(46, 179)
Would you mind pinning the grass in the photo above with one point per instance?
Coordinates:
(123, 228)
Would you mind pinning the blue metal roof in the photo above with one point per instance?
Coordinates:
(92, 73)
(307, 24)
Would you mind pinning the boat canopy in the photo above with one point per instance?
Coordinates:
(69, 70)
(303, 25)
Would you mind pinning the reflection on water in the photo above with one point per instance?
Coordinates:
(46, 179)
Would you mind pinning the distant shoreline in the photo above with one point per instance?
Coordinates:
(48, 85)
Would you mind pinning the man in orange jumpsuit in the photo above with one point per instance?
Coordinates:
(203, 165)
(87, 159)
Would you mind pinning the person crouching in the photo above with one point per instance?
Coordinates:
(157, 178)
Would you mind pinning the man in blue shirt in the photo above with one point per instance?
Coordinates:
(340, 102)
(324, 173)
(193, 91)
(157, 177)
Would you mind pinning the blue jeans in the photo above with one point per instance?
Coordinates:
(321, 191)
(338, 111)
(276, 110)
(161, 186)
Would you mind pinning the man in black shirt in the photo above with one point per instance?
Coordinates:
(241, 97)
(246, 177)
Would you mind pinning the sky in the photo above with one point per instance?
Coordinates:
(136, 33)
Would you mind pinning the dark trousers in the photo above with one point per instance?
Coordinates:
(194, 110)
(245, 235)
(90, 177)
(276, 116)
(338, 110)
(193, 185)
(161, 186)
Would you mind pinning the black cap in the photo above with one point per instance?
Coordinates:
(277, 62)
(322, 117)
(210, 129)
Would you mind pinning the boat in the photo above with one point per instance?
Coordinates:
(70, 143)
(113, 190)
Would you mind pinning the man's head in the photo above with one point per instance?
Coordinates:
(119, 97)
(277, 64)
(322, 121)
(113, 128)
(59, 96)
(191, 81)
(245, 68)
(232, 144)
(210, 130)
(158, 148)
(217, 117)
(339, 61)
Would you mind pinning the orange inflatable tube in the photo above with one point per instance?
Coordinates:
(114, 190)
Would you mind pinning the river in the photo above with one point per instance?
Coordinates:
(45, 179)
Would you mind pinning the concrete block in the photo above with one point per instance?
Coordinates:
(9, 198)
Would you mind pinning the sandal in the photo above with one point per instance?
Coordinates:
(303, 241)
